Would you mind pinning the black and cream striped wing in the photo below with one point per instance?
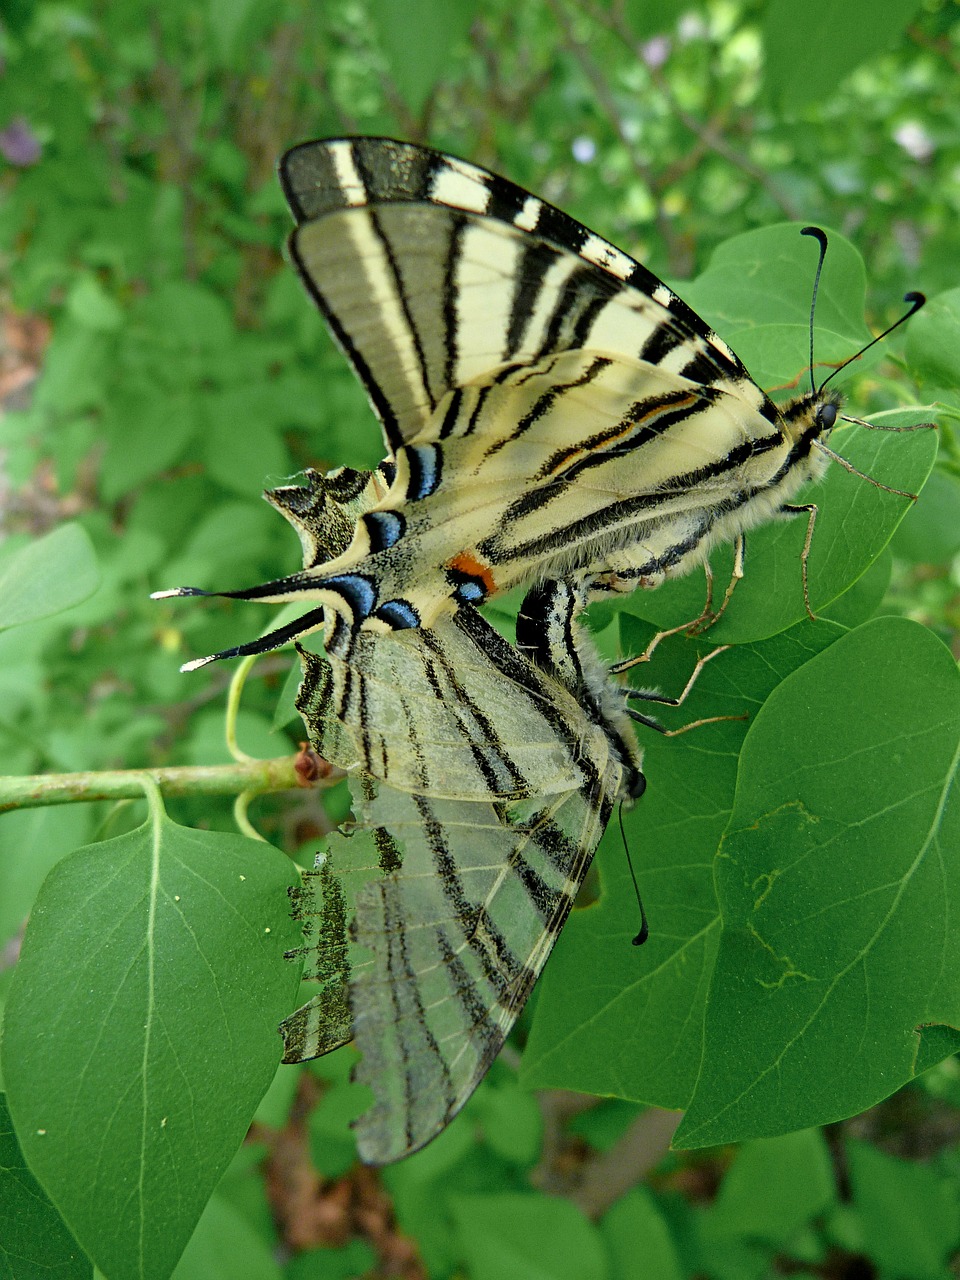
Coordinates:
(551, 408)
(434, 274)
(428, 925)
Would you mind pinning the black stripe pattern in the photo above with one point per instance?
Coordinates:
(581, 410)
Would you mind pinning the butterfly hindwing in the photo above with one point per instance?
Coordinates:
(481, 793)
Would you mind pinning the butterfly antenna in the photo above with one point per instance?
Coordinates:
(644, 933)
(916, 301)
(821, 238)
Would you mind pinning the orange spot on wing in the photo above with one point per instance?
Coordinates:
(466, 562)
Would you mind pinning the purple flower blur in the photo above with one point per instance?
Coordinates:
(655, 52)
(18, 143)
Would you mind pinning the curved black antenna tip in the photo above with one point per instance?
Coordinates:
(818, 234)
(643, 935)
(821, 238)
(916, 300)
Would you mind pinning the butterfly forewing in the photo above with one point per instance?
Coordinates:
(433, 273)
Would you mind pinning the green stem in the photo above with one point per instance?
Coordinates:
(278, 774)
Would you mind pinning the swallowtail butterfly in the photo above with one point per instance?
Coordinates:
(482, 784)
(549, 407)
(553, 415)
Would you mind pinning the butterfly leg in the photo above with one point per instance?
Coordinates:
(879, 426)
(703, 622)
(709, 617)
(793, 509)
(652, 695)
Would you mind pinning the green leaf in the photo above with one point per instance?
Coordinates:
(910, 1215)
(140, 1032)
(861, 601)
(419, 37)
(187, 317)
(646, 1005)
(40, 837)
(76, 369)
(836, 879)
(226, 1247)
(774, 1187)
(227, 19)
(811, 49)
(511, 1121)
(48, 576)
(275, 1104)
(756, 293)
(35, 1243)
(146, 432)
(534, 1236)
(242, 453)
(930, 532)
(638, 1239)
(333, 1148)
(650, 17)
(356, 1259)
(933, 341)
(90, 305)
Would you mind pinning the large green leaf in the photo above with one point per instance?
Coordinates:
(140, 1032)
(837, 878)
(810, 48)
(933, 341)
(645, 1006)
(866, 735)
(756, 292)
(47, 576)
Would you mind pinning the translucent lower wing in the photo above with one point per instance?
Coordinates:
(431, 922)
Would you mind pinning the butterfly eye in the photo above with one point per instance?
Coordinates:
(827, 417)
(637, 786)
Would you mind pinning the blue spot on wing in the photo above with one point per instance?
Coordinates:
(384, 528)
(469, 592)
(398, 614)
(425, 471)
(358, 593)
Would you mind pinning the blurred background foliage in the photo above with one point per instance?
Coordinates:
(148, 318)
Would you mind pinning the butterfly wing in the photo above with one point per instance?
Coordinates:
(431, 922)
(550, 406)
(454, 712)
(433, 273)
